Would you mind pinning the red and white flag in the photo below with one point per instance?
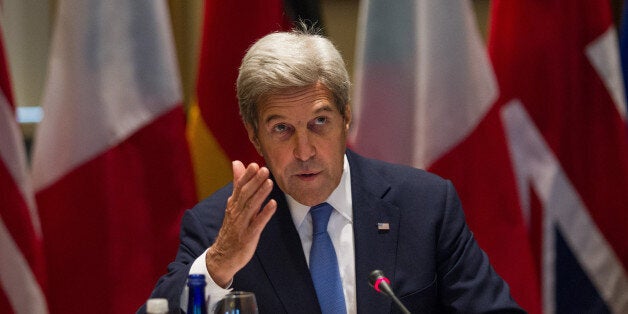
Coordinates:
(111, 166)
(562, 105)
(22, 268)
(424, 97)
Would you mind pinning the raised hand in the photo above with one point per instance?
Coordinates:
(243, 222)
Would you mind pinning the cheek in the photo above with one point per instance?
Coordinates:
(277, 157)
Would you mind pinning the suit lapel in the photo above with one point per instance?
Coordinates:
(281, 255)
(375, 248)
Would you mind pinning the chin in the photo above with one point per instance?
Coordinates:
(309, 198)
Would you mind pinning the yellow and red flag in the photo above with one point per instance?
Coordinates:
(215, 131)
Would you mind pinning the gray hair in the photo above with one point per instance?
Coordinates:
(283, 60)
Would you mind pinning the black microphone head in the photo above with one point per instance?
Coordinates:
(374, 275)
(381, 284)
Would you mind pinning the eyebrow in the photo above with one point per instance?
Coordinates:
(272, 117)
(324, 108)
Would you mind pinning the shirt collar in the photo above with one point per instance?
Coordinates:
(340, 199)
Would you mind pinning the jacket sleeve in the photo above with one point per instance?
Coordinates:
(468, 283)
(193, 242)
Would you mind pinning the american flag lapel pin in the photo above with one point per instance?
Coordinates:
(383, 227)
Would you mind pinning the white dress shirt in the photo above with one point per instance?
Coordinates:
(340, 229)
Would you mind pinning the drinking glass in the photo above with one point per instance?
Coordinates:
(237, 302)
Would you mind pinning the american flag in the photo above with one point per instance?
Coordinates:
(22, 270)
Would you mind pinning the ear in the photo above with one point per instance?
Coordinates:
(347, 117)
(253, 138)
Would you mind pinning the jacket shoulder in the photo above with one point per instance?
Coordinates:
(396, 174)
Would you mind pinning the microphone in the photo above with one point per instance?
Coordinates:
(381, 284)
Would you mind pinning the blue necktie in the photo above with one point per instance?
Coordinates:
(324, 264)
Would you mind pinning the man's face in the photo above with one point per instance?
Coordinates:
(302, 137)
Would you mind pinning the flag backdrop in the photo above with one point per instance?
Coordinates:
(563, 106)
(22, 268)
(623, 45)
(424, 97)
(111, 167)
(215, 131)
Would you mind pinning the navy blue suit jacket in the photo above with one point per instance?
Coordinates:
(429, 253)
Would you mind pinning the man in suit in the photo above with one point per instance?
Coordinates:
(256, 234)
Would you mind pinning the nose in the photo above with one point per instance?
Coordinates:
(303, 148)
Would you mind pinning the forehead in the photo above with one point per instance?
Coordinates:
(295, 100)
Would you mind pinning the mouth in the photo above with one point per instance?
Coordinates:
(308, 176)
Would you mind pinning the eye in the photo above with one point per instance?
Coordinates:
(280, 128)
(319, 124)
(320, 120)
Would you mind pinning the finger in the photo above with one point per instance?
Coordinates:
(263, 217)
(251, 187)
(243, 176)
(238, 169)
(249, 173)
(256, 200)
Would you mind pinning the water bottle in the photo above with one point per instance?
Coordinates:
(196, 298)
(157, 306)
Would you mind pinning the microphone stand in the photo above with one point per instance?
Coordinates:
(381, 284)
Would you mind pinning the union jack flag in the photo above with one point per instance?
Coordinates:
(562, 104)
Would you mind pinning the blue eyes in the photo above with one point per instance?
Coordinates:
(320, 120)
(315, 125)
(280, 128)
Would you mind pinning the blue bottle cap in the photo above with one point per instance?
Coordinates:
(196, 279)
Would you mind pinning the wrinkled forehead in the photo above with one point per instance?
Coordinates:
(313, 98)
(317, 92)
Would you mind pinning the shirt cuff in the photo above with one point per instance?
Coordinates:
(213, 292)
